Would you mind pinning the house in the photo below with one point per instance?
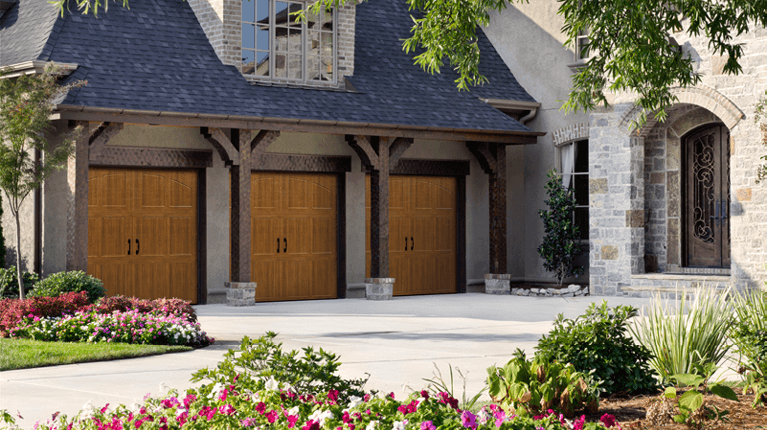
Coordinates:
(232, 148)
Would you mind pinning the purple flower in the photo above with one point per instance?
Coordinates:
(427, 425)
(469, 420)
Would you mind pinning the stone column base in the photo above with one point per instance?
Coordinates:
(497, 283)
(379, 288)
(240, 293)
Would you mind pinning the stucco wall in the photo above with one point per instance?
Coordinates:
(539, 61)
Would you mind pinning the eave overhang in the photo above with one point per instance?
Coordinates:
(36, 67)
(179, 119)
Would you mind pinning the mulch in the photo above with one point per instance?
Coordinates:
(631, 413)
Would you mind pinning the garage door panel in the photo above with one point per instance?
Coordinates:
(424, 232)
(445, 269)
(444, 196)
(399, 269)
(182, 275)
(323, 236)
(265, 239)
(297, 193)
(152, 280)
(264, 274)
(298, 279)
(117, 278)
(423, 194)
(181, 235)
(113, 235)
(399, 238)
(324, 194)
(153, 236)
(263, 192)
(181, 193)
(152, 190)
(445, 240)
(324, 277)
(299, 235)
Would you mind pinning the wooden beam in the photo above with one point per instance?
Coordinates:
(223, 121)
(364, 149)
(481, 152)
(222, 144)
(101, 136)
(239, 215)
(397, 148)
(263, 139)
(497, 191)
(379, 212)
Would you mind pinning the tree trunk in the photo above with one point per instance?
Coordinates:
(19, 276)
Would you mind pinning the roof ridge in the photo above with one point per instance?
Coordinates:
(53, 37)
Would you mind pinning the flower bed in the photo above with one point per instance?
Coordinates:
(13, 311)
(126, 327)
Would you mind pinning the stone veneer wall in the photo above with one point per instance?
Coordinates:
(221, 21)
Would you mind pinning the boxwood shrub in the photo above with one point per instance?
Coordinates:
(9, 285)
(69, 282)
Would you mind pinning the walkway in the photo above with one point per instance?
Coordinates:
(398, 342)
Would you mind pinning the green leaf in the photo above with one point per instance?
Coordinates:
(670, 393)
(689, 379)
(724, 392)
(691, 400)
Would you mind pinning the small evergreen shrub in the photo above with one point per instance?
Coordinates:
(60, 283)
(13, 311)
(599, 340)
(560, 244)
(9, 284)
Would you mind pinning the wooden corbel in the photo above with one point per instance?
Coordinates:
(481, 150)
(100, 136)
(397, 148)
(223, 145)
(263, 139)
(362, 146)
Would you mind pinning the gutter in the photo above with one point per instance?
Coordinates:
(181, 119)
(515, 107)
(36, 67)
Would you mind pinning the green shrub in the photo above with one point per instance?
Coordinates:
(310, 374)
(749, 334)
(532, 387)
(560, 245)
(599, 340)
(687, 335)
(9, 284)
(68, 282)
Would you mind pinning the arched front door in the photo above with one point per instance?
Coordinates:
(707, 197)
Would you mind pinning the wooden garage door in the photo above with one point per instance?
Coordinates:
(293, 230)
(422, 234)
(142, 232)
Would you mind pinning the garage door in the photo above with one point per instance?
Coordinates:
(142, 232)
(293, 228)
(422, 234)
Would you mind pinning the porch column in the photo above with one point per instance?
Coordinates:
(239, 215)
(378, 155)
(492, 159)
(77, 210)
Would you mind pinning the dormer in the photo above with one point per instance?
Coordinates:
(270, 46)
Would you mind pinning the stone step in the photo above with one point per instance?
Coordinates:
(672, 285)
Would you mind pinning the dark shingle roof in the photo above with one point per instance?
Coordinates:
(156, 57)
(25, 29)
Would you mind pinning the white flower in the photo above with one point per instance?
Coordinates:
(293, 411)
(354, 401)
(372, 425)
(399, 425)
(420, 400)
(483, 416)
(216, 391)
(320, 416)
(272, 384)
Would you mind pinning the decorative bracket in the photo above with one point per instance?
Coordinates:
(223, 145)
(100, 136)
(263, 139)
(397, 148)
(486, 159)
(364, 149)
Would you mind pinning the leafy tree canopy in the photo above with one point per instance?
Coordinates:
(629, 41)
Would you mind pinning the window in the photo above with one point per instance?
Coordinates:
(582, 46)
(575, 174)
(278, 46)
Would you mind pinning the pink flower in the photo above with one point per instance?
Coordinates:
(425, 395)
(227, 409)
(608, 420)
(261, 408)
(311, 425)
(271, 416)
(333, 395)
(427, 425)
(579, 423)
(292, 419)
(248, 422)
(469, 420)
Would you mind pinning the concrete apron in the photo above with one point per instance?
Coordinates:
(398, 342)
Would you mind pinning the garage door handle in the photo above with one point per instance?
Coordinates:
(128, 246)
(405, 243)
(286, 244)
(412, 243)
(278, 245)
(138, 247)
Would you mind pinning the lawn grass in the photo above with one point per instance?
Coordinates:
(25, 353)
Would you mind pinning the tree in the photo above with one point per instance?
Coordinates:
(560, 246)
(26, 103)
(629, 41)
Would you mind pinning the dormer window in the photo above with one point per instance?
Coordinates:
(279, 47)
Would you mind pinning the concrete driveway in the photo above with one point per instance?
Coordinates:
(397, 342)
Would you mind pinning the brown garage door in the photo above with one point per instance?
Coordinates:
(293, 230)
(142, 232)
(422, 234)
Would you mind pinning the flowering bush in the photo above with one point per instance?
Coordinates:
(166, 307)
(124, 327)
(59, 283)
(13, 311)
(235, 405)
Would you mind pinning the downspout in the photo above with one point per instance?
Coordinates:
(529, 116)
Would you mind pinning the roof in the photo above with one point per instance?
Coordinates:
(156, 57)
